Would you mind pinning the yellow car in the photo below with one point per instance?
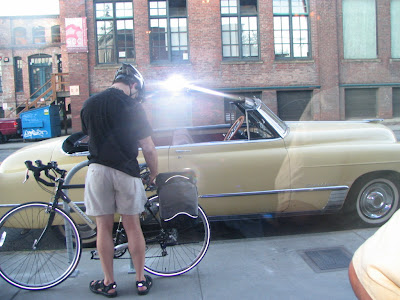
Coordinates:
(260, 165)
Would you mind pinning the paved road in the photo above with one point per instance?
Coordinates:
(11, 146)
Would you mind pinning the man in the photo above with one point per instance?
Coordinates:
(374, 271)
(117, 125)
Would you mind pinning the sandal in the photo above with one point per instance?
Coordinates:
(98, 287)
(148, 283)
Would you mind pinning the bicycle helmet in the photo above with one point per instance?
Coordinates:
(128, 74)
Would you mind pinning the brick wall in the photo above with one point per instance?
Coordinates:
(327, 73)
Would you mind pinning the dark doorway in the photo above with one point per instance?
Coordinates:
(40, 68)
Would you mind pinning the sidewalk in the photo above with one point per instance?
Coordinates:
(259, 268)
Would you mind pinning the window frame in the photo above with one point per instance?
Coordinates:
(290, 15)
(1, 77)
(23, 38)
(115, 58)
(38, 33)
(18, 75)
(167, 16)
(239, 15)
(55, 34)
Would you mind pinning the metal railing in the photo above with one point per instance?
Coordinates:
(58, 83)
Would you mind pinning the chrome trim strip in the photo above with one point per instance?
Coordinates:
(257, 193)
(224, 143)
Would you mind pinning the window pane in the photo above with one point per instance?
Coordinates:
(20, 36)
(174, 39)
(104, 10)
(158, 40)
(359, 29)
(246, 50)
(226, 51)
(395, 23)
(19, 86)
(123, 9)
(229, 7)
(299, 6)
(183, 39)
(105, 41)
(55, 34)
(125, 41)
(280, 6)
(1, 84)
(158, 8)
(38, 34)
(226, 38)
(254, 50)
(174, 25)
(235, 51)
(234, 37)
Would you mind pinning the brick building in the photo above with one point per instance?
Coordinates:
(309, 60)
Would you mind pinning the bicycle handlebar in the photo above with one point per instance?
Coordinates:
(40, 167)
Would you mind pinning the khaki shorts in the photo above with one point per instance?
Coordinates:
(109, 191)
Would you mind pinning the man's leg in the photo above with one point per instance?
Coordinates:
(358, 288)
(136, 244)
(105, 247)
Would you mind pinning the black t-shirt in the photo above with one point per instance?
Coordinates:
(115, 123)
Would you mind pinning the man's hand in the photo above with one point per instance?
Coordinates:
(150, 155)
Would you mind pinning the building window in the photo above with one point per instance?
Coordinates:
(20, 36)
(38, 34)
(294, 105)
(239, 19)
(1, 79)
(55, 34)
(360, 103)
(291, 29)
(395, 23)
(19, 85)
(359, 29)
(114, 30)
(168, 31)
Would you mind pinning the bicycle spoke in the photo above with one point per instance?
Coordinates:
(47, 265)
(174, 251)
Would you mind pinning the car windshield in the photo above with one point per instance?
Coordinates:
(279, 125)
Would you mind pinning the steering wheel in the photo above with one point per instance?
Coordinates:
(234, 128)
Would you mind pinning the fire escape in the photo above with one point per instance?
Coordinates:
(54, 91)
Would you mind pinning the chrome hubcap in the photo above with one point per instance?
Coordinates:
(377, 200)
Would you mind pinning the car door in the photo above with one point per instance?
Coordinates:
(237, 177)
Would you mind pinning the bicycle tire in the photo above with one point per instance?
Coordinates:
(186, 245)
(47, 264)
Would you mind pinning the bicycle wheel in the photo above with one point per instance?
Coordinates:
(26, 264)
(174, 251)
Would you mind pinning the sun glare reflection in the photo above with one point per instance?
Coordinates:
(177, 83)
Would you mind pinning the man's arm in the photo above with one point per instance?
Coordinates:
(150, 155)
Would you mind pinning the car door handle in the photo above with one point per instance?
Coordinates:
(183, 151)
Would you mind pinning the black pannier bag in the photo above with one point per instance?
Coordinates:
(178, 199)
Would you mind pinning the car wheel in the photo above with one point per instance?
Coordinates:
(373, 199)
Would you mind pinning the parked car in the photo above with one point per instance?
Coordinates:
(9, 128)
(260, 165)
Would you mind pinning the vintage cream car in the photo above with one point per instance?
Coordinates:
(261, 165)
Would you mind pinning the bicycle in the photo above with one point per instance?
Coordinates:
(35, 256)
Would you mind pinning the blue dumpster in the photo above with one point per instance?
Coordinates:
(41, 123)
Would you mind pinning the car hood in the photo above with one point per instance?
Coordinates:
(37, 151)
(331, 132)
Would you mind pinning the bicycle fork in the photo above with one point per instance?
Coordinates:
(52, 213)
